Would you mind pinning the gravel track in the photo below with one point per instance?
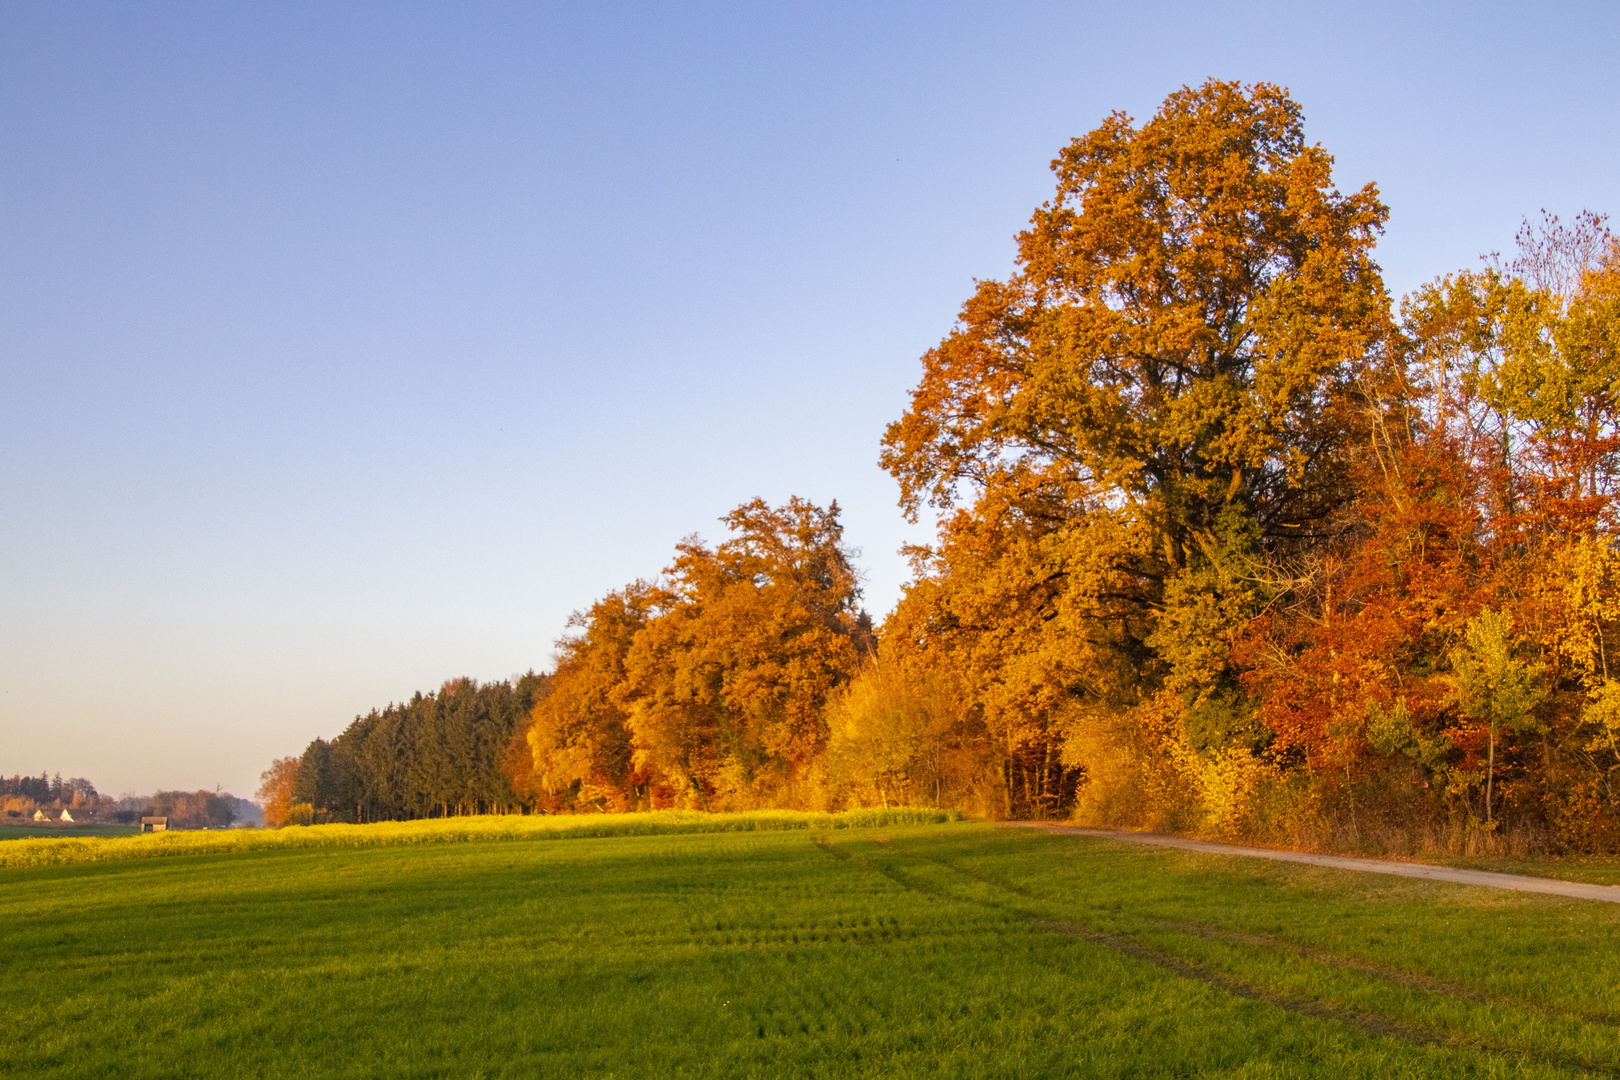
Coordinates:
(1517, 882)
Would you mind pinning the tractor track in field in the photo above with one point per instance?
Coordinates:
(1429, 983)
(1415, 980)
(1373, 1024)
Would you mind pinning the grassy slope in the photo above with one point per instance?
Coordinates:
(946, 950)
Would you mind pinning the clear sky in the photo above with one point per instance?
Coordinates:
(347, 348)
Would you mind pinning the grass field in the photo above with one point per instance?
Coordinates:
(32, 831)
(948, 949)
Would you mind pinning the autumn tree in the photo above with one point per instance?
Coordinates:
(905, 730)
(1511, 372)
(275, 792)
(1167, 388)
(1521, 360)
(1494, 686)
(725, 688)
(577, 745)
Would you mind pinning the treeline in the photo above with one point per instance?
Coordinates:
(188, 809)
(1228, 542)
(45, 788)
(439, 754)
(21, 797)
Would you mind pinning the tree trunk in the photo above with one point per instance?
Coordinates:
(1490, 774)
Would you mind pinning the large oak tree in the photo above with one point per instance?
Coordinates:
(1170, 384)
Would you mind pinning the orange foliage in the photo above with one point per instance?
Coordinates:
(276, 790)
(708, 689)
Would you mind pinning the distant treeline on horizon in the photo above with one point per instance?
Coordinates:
(22, 796)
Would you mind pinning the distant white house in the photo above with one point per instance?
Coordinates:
(66, 816)
(39, 815)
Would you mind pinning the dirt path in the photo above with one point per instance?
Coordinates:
(1579, 890)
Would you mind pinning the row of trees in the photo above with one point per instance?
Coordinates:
(188, 809)
(439, 754)
(46, 788)
(22, 796)
(1228, 541)
(708, 688)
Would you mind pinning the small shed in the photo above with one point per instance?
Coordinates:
(154, 824)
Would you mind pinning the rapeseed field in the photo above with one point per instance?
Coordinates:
(67, 850)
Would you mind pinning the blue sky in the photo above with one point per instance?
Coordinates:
(346, 348)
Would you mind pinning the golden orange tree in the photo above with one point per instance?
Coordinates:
(1166, 392)
(708, 688)
(906, 729)
(276, 789)
(577, 740)
(725, 690)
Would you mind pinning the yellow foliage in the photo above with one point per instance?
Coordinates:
(20, 805)
(1139, 769)
(1591, 603)
(1230, 781)
(888, 735)
(275, 790)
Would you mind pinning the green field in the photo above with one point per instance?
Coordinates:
(948, 949)
(10, 831)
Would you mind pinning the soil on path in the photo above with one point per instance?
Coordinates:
(1518, 882)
